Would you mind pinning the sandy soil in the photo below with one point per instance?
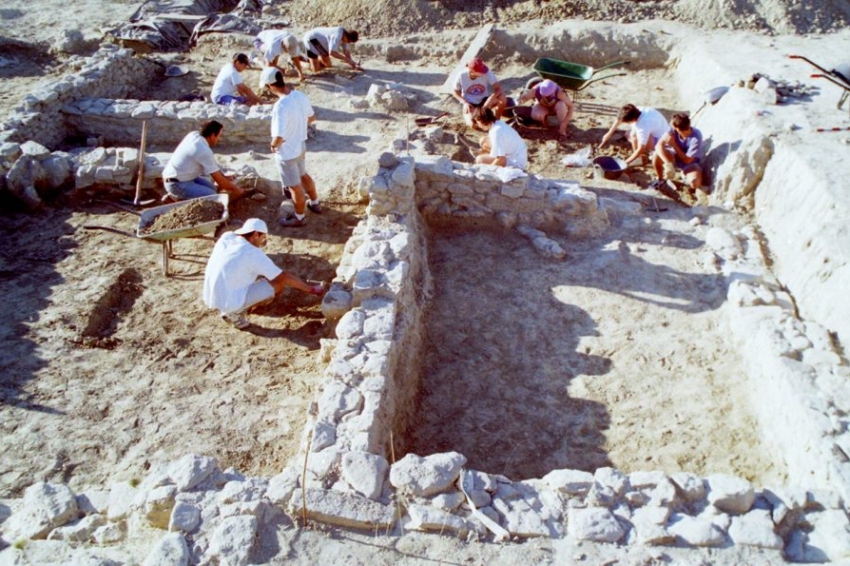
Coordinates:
(110, 366)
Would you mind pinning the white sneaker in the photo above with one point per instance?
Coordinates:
(237, 319)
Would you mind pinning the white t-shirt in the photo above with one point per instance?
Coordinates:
(234, 265)
(193, 158)
(506, 142)
(226, 81)
(275, 41)
(477, 90)
(329, 38)
(290, 116)
(650, 123)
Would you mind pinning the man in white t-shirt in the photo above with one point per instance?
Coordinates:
(188, 171)
(291, 115)
(647, 127)
(273, 43)
(324, 43)
(502, 146)
(229, 88)
(239, 276)
(477, 87)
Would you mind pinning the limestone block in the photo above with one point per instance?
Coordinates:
(232, 540)
(121, 497)
(159, 504)
(612, 478)
(365, 473)
(346, 510)
(594, 524)
(324, 435)
(649, 526)
(522, 519)
(620, 207)
(403, 175)
(695, 531)
(170, 550)
(251, 489)
(93, 501)
(691, 485)
(755, 529)
(190, 470)
(34, 149)
(9, 152)
(723, 243)
(427, 518)
(571, 482)
(110, 533)
(549, 248)
(830, 536)
(731, 494)
(56, 172)
(184, 517)
(337, 400)
(426, 476)
(81, 531)
(282, 486)
(252, 508)
(372, 254)
(21, 178)
(451, 501)
(45, 506)
(143, 110)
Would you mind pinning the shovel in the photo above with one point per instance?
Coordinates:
(137, 201)
(426, 120)
(711, 97)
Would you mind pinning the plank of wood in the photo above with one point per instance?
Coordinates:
(478, 44)
(179, 18)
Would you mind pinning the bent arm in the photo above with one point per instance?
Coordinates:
(246, 91)
(342, 55)
(610, 133)
(285, 280)
(225, 184)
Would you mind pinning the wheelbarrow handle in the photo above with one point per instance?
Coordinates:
(809, 61)
(832, 80)
(610, 65)
(582, 87)
(110, 229)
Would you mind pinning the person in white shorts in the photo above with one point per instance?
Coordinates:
(324, 43)
(502, 145)
(240, 276)
(273, 43)
(229, 88)
(291, 115)
(647, 127)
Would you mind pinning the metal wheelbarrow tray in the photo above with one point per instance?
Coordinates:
(572, 76)
(166, 237)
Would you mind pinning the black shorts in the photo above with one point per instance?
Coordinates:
(316, 49)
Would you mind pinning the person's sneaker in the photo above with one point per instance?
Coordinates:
(237, 319)
(315, 208)
(287, 194)
(292, 222)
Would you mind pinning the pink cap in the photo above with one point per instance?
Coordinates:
(547, 88)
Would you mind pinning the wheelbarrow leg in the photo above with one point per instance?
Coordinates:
(166, 253)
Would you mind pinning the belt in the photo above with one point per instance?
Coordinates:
(172, 180)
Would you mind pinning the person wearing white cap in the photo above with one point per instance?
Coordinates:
(273, 43)
(550, 99)
(291, 115)
(240, 276)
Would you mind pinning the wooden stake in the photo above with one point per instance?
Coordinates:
(138, 199)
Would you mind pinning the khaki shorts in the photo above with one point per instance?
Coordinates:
(260, 291)
(291, 170)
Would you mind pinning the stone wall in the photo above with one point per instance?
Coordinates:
(109, 73)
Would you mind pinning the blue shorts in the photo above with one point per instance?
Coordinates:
(227, 99)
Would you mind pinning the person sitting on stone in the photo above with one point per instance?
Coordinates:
(477, 87)
(186, 174)
(647, 127)
(324, 43)
(502, 146)
(550, 100)
(273, 43)
(680, 148)
(229, 88)
(240, 276)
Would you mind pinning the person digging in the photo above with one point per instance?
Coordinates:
(679, 149)
(239, 276)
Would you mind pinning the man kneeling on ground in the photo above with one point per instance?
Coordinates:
(680, 148)
(239, 276)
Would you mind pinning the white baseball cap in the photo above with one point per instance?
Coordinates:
(253, 225)
(269, 76)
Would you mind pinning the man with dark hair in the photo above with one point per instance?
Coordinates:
(680, 148)
(647, 127)
(502, 146)
(291, 115)
(239, 276)
(186, 174)
(229, 88)
(324, 43)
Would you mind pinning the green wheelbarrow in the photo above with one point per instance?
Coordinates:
(570, 76)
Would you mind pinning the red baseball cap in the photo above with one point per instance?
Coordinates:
(477, 66)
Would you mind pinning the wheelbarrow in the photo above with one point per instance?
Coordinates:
(167, 237)
(839, 76)
(571, 76)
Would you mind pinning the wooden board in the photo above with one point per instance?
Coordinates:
(473, 50)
